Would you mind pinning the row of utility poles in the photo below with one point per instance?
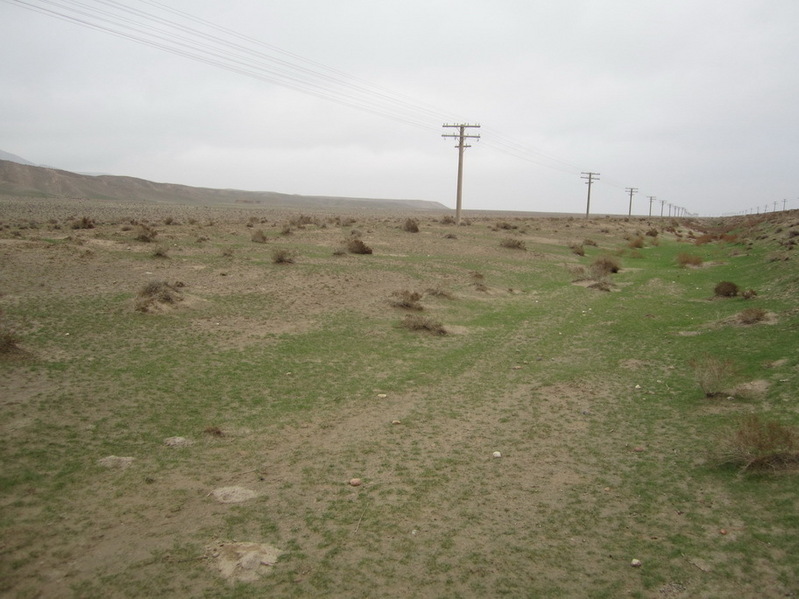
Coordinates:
(462, 135)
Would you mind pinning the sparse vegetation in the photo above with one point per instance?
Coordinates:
(83, 222)
(144, 233)
(258, 236)
(752, 316)
(604, 265)
(408, 300)
(282, 256)
(577, 248)
(157, 293)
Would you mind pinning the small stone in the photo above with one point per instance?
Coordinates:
(638, 386)
(382, 395)
(636, 563)
(723, 531)
(396, 422)
(355, 482)
(497, 454)
(638, 449)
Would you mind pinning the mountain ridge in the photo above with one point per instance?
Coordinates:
(27, 180)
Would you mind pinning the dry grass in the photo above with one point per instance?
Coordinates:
(577, 248)
(408, 300)
(258, 236)
(282, 256)
(751, 316)
(411, 225)
(157, 292)
(685, 259)
(513, 244)
(603, 266)
(758, 444)
(416, 322)
(9, 341)
(357, 246)
(439, 291)
(713, 374)
(144, 233)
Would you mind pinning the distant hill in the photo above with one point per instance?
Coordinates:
(25, 180)
(14, 158)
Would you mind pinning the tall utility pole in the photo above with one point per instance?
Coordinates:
(591, 177)
(462, 136)
(662, 203)
(651, 199)
(631, 190)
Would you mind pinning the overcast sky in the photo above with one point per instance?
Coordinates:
(695, 102)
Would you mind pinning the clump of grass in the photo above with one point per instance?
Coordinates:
(286, 230)
(713, 374)
(513, 244)
(408, 300)
(157, 292)
(214, 431)
(282, 256)
(726, 289)
(84, 222)
(258, 236)
(144, 233)
(416, 322)
(505, 226)
(439, 291)
(749, 294)
(590, 242)
(636, 242)
(9, 340)
(577, 248)
(604, 265)
(411, 225)
(758, 444)
(357, 246)
(160, 251)
(751, 316)
(685, 259)
(450, 236)
(447, 220)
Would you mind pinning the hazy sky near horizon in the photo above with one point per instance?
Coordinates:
(695, 102)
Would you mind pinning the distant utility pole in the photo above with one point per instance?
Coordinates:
(651, 199)
(462, 136)
(662, 203)
(591, 177)
(632, 190)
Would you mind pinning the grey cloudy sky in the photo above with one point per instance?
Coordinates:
(692, 101)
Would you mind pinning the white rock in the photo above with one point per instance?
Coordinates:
(497, 454)
(636, 563)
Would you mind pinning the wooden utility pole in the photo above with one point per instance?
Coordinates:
(651, 199)
(591, 177)
(662, 203)
(632, 190)
(462, 136)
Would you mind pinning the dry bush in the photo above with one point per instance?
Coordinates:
(228, 252)
(258, 236)
(636, 242)
(652, 232)
(301, 221)
(751, 316)
(513, 244)
(408, 300)
(160, 251)
(447, 220)
(416, 322)
(439, 291)
(282, 256)
(411, 225)
(450, 236)
(144, 233)
(590, 242)
(758, 444)
(9, 340)
(749, 294)
(157, 292)
(685, 259)
(286, 230)
(577, 248)
(83, 222)
(726, 289)
(713, 374)
(604, 265)
(357, 246)
(477, 276)
(505, 225)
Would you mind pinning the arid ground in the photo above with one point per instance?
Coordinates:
(219, 402)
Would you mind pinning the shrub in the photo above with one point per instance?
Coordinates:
(505, 225)
(577, 248)
(286, 230)
(411, 225)
(160, 251)
(758, 444)
(604, 265)
(652, 232)
(513, 244)
(684, 259)
(439, 291)
(749, 294)
(408, 300)
(357, 246)
(726, 289)
(416, 322)
(157, 292)
(258, 236)
(751, 316)
(83, 222)
(636, 242)
(712, 374)
(145, 233)
(282, 256)
(9, 341)
(447, 220)
(590, 242)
